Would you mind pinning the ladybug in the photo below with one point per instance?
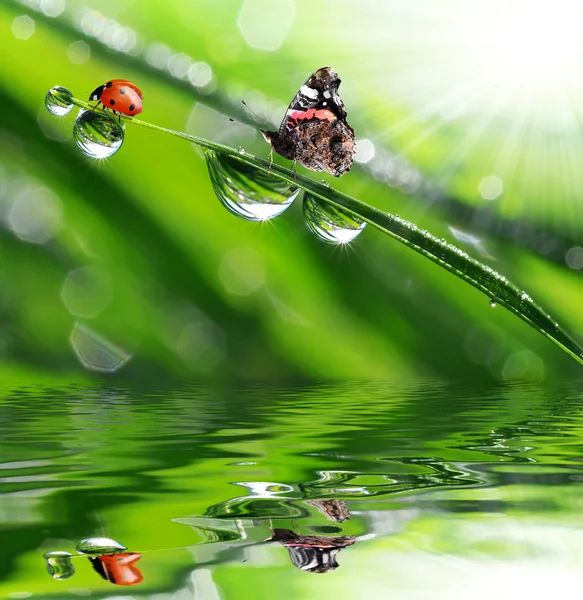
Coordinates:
(119, 569)
(120, 95)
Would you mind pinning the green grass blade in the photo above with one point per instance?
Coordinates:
(494, 285)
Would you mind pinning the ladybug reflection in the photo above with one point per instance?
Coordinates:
(119, 569)
(313, 553)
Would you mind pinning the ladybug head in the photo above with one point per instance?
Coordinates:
(96, 94)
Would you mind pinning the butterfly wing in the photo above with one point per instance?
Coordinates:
(314, 130)
(317, 99)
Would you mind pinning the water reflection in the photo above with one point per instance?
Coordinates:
(119, 569)
(314, 553)
(111, 565)
(228, 489)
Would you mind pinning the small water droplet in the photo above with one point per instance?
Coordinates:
(326, 183)
(241, 150)
(97, 134)
(493, 303)
(58, 101)
(100, 545)
(333, 225)
(59, 564)
(248, 192)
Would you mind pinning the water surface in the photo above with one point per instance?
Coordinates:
(373, 490)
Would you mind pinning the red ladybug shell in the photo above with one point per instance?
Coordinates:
(119, 569)
(120, 95)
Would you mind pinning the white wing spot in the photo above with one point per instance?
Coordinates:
(327, 94)
(309, 92)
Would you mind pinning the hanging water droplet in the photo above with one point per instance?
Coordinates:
(59, 564)
(100, 545)
(58, 101)
(249, 192)
(493, 303)
(241, 150)
(97, 134)
(333, 225)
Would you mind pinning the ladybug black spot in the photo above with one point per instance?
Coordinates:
(132, 106)
(122, 91)
(112, 102)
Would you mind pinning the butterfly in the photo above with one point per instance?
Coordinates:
(314, 130)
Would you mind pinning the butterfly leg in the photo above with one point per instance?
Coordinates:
(270, 159)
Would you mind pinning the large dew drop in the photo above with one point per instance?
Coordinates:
(59, 565)
(100, 545)
(332, 225)
(58, 101)
(248, 192)
(97, 134)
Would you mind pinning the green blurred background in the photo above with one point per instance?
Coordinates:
(468, 121)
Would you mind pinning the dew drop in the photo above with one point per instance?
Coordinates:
(59, 565)
(326, 183)
(100, 545)
(97, 134)
(330, 224)
(58, 101)
(248, 192)
(493, 303)
(241, 150)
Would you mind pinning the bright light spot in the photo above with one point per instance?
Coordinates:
(523, 365)
(242, 271)
(119, 38)
(524, 42)
(20, 595)
(468, 238)
(52, 8)
(179, 64)
(93, 23)
(35, 215)
(95, 352)
(200, 74)
(78, 52)
(364, 151)
(490, 187)
(86, 292)
(23, 27)
(574, 258)
(158, 55)
(264, 24)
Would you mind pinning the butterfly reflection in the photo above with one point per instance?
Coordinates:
(313, 553)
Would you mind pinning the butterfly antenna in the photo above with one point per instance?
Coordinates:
(254, 114)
